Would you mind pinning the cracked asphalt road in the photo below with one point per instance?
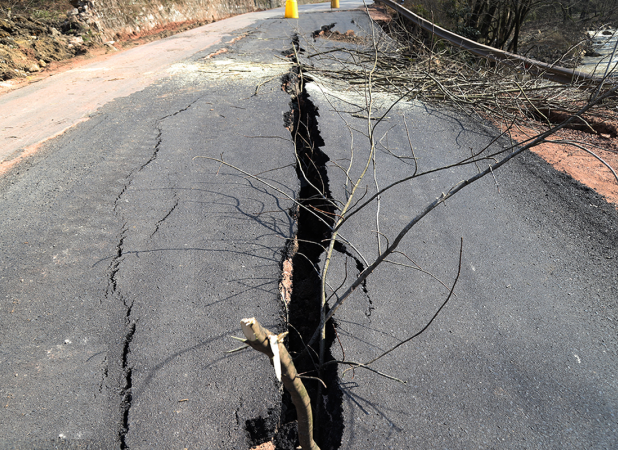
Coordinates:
(126, 270)
(525, 353)
(127, 263)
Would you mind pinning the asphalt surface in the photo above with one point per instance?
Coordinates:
(47, 108)
(127, 263)
(524, 354)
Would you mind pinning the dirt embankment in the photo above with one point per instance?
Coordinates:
(28, 45)
(29, 42)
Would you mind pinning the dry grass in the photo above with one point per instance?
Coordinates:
(37, 9)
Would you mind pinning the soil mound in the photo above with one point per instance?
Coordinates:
(28, 45)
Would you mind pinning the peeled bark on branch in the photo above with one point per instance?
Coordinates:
(262, 340)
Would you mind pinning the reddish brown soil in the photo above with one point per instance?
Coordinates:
(158, 32)
(265, 446)
(579, 164)
(99, 53)
(55, 67)
(379, 13)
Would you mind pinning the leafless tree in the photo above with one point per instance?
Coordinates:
(386, 72)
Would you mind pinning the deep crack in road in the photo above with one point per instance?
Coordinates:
(128, 261)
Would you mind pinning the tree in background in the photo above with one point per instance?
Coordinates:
(498, 23)
(584, 11)
(492, 22)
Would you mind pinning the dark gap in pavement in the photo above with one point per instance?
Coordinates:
(314, 222)
(294, 50)
(323, 29)
(314, 230)
(126, 392)
(125, 382)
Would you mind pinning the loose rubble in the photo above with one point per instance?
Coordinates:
(28, 45)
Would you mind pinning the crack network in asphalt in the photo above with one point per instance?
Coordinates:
(114, 293)
(169, 213)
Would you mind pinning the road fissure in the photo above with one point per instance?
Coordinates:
(315, 219)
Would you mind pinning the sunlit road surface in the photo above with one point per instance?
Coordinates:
(45, 109)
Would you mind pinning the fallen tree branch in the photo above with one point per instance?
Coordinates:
(264, 341)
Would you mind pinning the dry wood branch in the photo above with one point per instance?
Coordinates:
(441, 199)
(262, 340)
(408, 65)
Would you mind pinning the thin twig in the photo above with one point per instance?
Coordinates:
(434, 316)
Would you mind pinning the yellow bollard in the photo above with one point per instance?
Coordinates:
(334, 3)
(291, 9)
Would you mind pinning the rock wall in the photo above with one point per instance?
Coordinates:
(121, 18)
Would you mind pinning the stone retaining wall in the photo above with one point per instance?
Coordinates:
(121, 18)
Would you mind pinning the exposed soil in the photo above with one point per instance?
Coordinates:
(379, 14)
(266, 446)
(28, 46)
(579, 164)
(31, 49)
(326, 33)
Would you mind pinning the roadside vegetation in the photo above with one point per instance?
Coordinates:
(44, 10)
(542, 29)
